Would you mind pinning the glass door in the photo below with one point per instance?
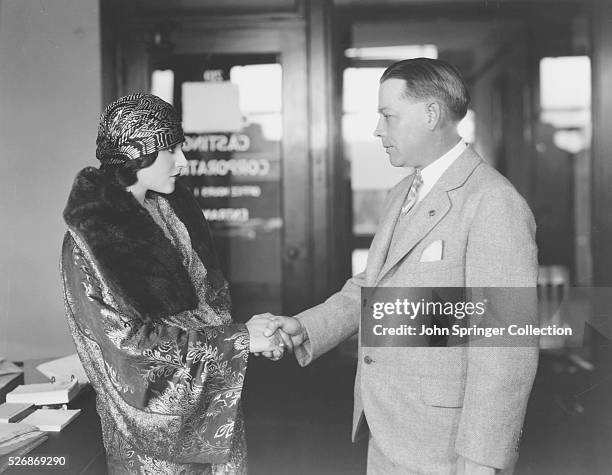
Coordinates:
(231, 107)
(241, 94)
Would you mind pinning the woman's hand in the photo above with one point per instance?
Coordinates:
(258, 343)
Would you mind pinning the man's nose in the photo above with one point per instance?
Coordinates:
(379, 131)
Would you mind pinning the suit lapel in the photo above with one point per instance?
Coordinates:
(382, 239)
(425, 217)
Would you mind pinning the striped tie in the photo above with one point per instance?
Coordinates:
(413, 192)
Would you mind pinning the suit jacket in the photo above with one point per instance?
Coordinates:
(426, 406)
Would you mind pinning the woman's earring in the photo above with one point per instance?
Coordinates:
(129, 189)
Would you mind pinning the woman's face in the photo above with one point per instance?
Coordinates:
(161, 175)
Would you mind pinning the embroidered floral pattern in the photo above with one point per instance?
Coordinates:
(226, 430)
(165, 361)
(114, 379)
(241, 345)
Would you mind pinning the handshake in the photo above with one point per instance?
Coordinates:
(272, 335)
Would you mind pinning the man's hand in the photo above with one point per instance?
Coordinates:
(259, 342)
(466, 466)
(289, 329)
(290, 326)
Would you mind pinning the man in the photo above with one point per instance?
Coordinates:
(454, 222)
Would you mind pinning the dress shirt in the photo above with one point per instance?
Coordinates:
(432, 172)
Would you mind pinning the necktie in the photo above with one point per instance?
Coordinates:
(413, 192)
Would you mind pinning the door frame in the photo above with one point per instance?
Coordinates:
(129, 44)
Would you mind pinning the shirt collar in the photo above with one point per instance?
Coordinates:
(432, 172)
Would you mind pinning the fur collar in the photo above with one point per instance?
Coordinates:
(142, 268)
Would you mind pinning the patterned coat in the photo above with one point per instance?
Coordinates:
(149, 312)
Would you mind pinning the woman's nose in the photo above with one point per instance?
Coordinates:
(179, 158)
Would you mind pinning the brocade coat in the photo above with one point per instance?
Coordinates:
(149, 312)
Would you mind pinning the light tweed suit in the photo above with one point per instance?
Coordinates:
(426, 406)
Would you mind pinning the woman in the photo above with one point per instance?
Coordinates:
(148, 307)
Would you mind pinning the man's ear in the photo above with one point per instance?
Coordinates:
(433, 111)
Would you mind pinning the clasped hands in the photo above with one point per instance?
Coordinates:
(272, 335)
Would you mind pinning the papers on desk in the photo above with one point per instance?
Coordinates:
(44, 394)
(65, 369)
(14, 411)
(8, 382)
(7, 367)
(51, 420)
(10, 431)
(20, 442)
(16, 440)
(11, 376)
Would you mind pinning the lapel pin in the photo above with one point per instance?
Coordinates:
(432, 213)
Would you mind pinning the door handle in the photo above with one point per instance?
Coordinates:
(292, 253)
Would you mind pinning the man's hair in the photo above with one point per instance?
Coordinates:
(432, 79)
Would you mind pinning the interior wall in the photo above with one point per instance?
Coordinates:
(50, 90)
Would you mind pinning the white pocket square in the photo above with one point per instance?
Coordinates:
(433, 252)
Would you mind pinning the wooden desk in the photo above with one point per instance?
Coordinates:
(80, 441)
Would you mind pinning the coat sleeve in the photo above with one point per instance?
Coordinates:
(337, 319)
(331, 322)
(501, 259)
(172, 392)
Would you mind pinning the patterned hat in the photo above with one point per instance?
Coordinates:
(136, 125)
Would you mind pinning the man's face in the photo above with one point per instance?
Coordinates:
(402, 126)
